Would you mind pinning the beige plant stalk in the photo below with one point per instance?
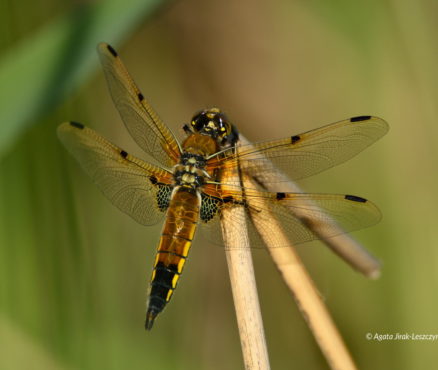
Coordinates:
(295, 276)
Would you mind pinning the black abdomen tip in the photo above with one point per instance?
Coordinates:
(150, 318)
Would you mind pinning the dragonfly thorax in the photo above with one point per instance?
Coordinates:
(190, 171)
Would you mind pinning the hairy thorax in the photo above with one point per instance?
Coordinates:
(190, 171)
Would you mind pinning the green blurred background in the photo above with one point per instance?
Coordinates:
(74, 270)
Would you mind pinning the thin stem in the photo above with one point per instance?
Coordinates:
(243, 285)
(306, 295)
(294, 274)
(298, 280)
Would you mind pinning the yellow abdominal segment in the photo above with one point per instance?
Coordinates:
(175, 242)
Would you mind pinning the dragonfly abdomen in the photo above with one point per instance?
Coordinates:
(176, 238)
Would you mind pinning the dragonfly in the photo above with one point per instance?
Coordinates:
(191, 183)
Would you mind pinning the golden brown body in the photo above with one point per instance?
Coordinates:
(181, 220)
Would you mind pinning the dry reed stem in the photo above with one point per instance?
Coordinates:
(297, 279)
(243, 285)
(295, 276)
(306, 295)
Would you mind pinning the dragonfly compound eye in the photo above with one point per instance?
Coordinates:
(212, 122)
(200, 121)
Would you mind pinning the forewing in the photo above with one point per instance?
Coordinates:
(302, 217)
(144, 125)
(297, 214)
(303, 155)
(134, 186)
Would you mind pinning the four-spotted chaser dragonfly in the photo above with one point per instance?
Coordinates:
(186, 182)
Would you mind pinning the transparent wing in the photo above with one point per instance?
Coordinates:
(135, 187)
(303, 155)
(144, 125)
(293, 212)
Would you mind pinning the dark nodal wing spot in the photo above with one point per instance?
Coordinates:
(295, 138)
(227, 199)
(281, 196)
(140, 96)
(123, 154)
(153, 180)
(77, 125)
(354, 198)
(111, 50)
(360, 118)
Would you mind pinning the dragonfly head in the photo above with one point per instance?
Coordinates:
(214, 123)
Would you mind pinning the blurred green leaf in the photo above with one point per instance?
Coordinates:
(357, 21)
(41, 71)
(15, 342)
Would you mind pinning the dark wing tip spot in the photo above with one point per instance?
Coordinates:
(111, 50)
(354, 198)
(77, 125)
(360, 118)
(123, 153)
(140, 96)
(281, 196)
(295, 138)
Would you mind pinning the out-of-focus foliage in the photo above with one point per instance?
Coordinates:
(74, 270)
(48, 63)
